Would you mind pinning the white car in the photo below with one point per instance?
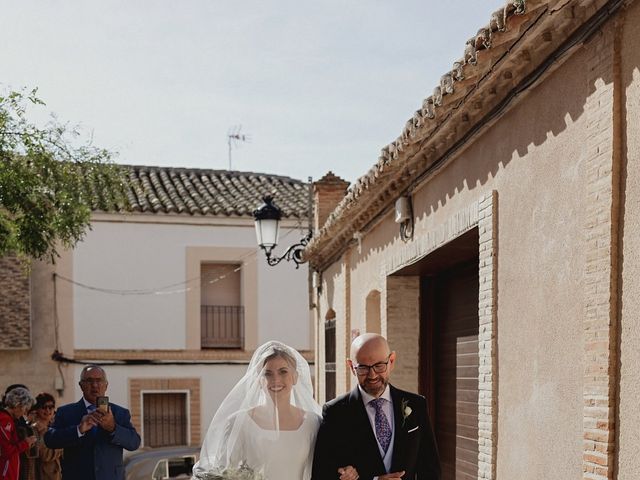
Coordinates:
(161, 463)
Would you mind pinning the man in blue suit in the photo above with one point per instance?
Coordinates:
(92, 439)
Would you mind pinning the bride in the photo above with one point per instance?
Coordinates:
(266, 426)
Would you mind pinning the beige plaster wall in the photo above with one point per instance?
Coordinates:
(367, 258)
(629, 413)
(540, 179)
(534, 157)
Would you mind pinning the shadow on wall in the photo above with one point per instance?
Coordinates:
(542, 115)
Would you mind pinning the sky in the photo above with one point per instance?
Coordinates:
(314, 86)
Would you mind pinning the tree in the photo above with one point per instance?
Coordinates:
(49, 183)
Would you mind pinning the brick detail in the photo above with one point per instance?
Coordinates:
(15, 305)
(138, 385)
(328, 192)
(487, 341)
(600, 300)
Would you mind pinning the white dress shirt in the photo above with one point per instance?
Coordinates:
(387, 407)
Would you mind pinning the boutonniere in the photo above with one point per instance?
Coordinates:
(406, 410)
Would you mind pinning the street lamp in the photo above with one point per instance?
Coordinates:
(267, 220)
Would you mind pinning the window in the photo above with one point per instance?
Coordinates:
(165, 419)
(221, 309)
(330, 355)
(175, 467)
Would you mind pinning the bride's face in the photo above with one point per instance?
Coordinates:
(279, 378)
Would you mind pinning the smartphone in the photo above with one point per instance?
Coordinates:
(102, 404)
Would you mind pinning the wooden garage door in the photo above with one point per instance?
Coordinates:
(456, 371)
(165, 419)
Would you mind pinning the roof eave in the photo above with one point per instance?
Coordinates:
(470, 98)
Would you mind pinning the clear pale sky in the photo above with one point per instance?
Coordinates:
(318, 85)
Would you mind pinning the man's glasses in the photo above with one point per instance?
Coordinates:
(48, 407)
(379, 367)
(94, 381)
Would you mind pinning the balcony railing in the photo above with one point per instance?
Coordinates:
(222, 326)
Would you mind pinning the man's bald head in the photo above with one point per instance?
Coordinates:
(368, 342)
(372, 362)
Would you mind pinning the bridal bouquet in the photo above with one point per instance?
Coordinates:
(242, 472)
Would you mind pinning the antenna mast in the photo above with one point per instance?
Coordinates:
(234, 137)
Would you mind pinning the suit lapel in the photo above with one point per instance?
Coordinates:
(365, 432)
(81, 409)
(400, 433)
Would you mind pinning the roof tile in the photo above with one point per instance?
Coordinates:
(187, 191)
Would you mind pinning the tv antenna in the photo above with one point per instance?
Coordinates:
(234, 137)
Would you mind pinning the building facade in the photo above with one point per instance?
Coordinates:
(171, 295)
(495, 244)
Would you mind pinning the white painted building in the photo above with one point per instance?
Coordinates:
(172, 296)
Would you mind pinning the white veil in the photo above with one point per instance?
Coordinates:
(226, 436)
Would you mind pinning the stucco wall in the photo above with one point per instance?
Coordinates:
(629, 413)
(127, 256)
(534, 157)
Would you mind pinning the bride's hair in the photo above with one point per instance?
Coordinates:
(281, 353)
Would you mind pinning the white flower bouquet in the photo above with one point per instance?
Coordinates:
(242, 472)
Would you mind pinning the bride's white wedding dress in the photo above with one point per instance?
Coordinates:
(282, 455)
(234, 438)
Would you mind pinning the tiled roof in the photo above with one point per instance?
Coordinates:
(189, 191)
(497, 62)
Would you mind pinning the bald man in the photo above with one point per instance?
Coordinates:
(383, 432)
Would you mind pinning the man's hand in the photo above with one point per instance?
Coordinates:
(105, 420)
(348, 473)
(87, 423)
(389, 476)
(31, 440)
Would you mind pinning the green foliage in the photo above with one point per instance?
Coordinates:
(48, 184)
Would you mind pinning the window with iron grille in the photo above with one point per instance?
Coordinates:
(165, 419)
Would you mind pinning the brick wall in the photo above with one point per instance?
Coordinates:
(600, 307)
(328, 192)
(15, 305)
(487, 338)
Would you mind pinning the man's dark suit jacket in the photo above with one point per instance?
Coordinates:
(96, 455)
(347, 438)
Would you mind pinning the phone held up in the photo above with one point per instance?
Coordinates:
(102, 404)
